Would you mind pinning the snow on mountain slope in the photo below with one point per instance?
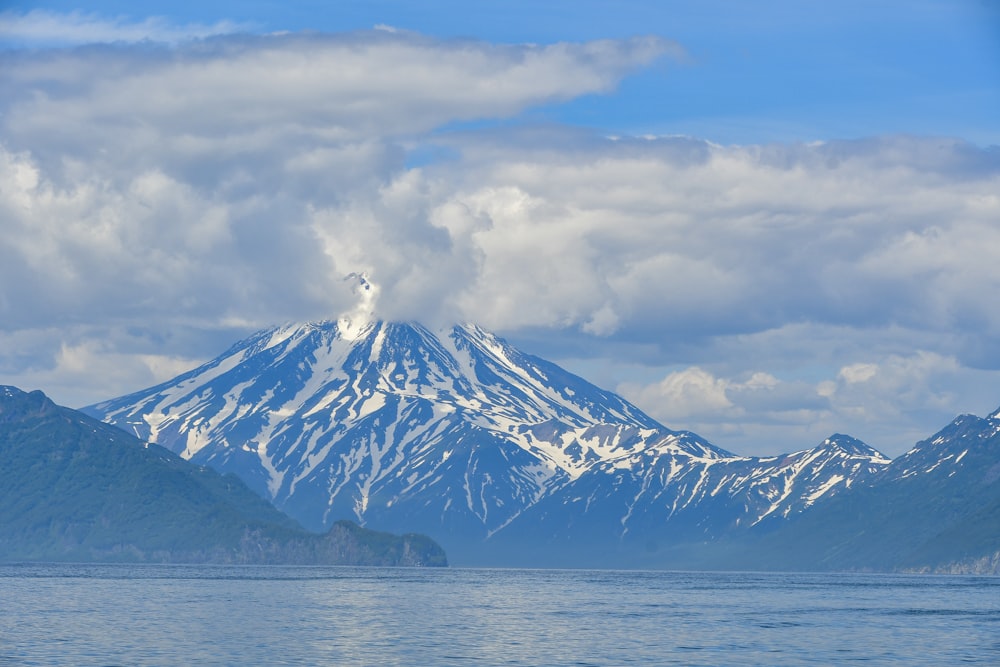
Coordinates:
(321, 423)
(669, 494)
(947, 452)
(457, 434)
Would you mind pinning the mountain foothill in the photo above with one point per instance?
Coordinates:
(76, 489)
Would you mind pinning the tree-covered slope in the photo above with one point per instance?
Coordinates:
(77, 489)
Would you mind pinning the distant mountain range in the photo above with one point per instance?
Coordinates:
(77, 489)
(935, 508)
(508, 459)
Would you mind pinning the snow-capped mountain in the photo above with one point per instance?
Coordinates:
(943, 454)
(664, 495)
(457, 434)
(935, 508)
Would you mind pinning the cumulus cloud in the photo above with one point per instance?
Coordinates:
(693, 239)
(238, 179)
(245, 176)
(681, 395)
(233, 182)
(68, 360)
(891, 402)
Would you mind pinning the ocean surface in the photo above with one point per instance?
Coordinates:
(220, 615)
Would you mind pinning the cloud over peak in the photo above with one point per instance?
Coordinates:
(233, 181)
(241, 177)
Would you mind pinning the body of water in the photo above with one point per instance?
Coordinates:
(218, 615)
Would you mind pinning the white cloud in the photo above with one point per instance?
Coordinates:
(245, 176)
(238, 98)
(233, 182)
(51, 28)
(63, 361)
(681, 395)
(240, 178)
(896, 384)
(891, 403)
(856, 373)
(603, 322)
(692, 236)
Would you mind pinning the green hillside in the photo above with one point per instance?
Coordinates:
(77, 489)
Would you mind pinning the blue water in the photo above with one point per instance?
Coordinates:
(217, 615)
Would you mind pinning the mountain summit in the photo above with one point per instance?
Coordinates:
(458, 434)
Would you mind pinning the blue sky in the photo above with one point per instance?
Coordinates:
(764, 222)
